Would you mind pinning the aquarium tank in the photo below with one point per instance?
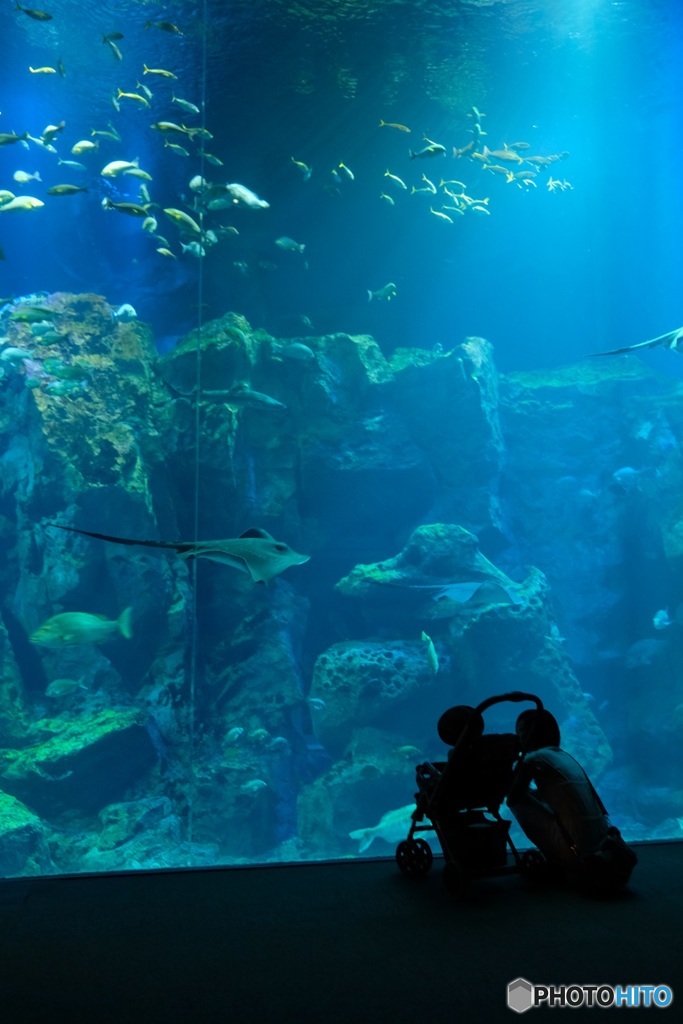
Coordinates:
(340, 383)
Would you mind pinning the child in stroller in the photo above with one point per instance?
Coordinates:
(457, 795)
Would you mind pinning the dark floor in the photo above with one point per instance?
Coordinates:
(349, 942)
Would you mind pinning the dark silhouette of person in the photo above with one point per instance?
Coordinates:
(560, 811)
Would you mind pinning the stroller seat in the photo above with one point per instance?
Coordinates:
(480, 777)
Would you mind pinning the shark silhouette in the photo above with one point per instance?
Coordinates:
(254, 551)
(673, 340)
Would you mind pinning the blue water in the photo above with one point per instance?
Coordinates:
(548, 277)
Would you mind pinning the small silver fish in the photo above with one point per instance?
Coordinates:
(194, 249)
(289, 245)
(253, 786)
(125, 313)
(185, 105)
(64, 687)
(242, 196)
(661, 619)
(432, 656)
(388, 292)
(242, 396)
(14, 355)
(295, 350)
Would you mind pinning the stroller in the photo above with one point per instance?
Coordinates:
(456, 795)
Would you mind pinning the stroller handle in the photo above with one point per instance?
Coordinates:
(516, 696)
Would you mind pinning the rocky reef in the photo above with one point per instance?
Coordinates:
(526, 527)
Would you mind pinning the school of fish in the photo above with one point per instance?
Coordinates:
(446, 201)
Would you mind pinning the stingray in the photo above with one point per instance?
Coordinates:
(673, 340)
(254, 551)
(488, 590)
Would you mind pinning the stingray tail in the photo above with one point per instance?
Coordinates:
(178, 546)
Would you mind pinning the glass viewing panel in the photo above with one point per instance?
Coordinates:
(305, 304)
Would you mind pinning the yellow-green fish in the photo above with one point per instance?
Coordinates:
(43, 71)
(157, 71)
(180, 150)
(137, 172)
(168, 126)
(64, 687)
(65, 190)
(183, 220)
(112, 134)
(116, 167)
(442, 216)
(70, 628)
(432, 656)
(203, 133)
(8, 137)
(121, 95)
(304, 168)
(31, 314)
(58, 368)
(390, 124)
(165, 26)
(36, 15)
(84, 146)
(215, 160)
(394, 177)
(132, 209)
(22, 203)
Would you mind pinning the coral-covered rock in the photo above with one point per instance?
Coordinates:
(24, 848)
(492, 636)
(364, 682)
(14, 711)
(140, 833)
(439, 573)
(82, 761)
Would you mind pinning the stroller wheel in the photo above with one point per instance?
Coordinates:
(534, 866)
(414, 857)
(454, 878)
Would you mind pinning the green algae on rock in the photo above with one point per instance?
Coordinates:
(77, 761)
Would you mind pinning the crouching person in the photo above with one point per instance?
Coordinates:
(559, 810)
